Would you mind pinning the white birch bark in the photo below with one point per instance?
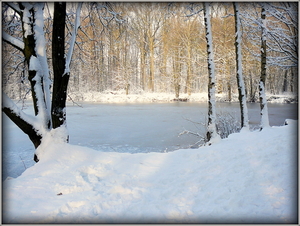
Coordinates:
(211, 125)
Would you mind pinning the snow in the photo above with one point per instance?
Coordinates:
(34, 64)
(231, 181)
(110, 96)
(59, 135)
(40, 49)
(26, 21)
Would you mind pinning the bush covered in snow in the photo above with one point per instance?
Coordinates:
(227, 123)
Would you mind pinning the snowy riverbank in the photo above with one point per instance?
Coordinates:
(232, 181)
(143, 97)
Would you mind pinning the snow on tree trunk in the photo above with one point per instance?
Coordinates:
(239, 75)
(211, 125)
(34, 51)
(264, 122)
(49, 121)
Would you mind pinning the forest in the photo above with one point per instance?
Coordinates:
(161, 47)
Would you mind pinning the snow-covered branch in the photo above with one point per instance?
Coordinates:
(73, 38)
(9, 105)
(18, 44)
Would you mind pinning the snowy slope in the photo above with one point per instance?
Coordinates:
(249, 177)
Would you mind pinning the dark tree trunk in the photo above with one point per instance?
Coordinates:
(263, 73)
(61, 77)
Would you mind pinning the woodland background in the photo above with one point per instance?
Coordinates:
(161, 47)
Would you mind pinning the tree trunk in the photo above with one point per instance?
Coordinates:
(211, 125)
(143, 66)
(151, 75)
(188, 65)
(292, 81)
(263, 74)
(252, 90)
(61, 79)
(176, 72)
(239, 74)
(229, 89)
(284, 88)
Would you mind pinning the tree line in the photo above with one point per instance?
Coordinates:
(161, 47)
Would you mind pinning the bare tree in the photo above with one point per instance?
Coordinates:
(49, 115)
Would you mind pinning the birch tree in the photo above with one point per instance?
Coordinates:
(49, 115)
(264, 122)
(211, 125)
(239, 68)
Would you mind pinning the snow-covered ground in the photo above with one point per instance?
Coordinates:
(144, 97)
(250, 177)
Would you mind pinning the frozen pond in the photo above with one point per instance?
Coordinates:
(152, 127)
(130, 128)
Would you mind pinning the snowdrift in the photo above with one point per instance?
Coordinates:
(250, 177)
